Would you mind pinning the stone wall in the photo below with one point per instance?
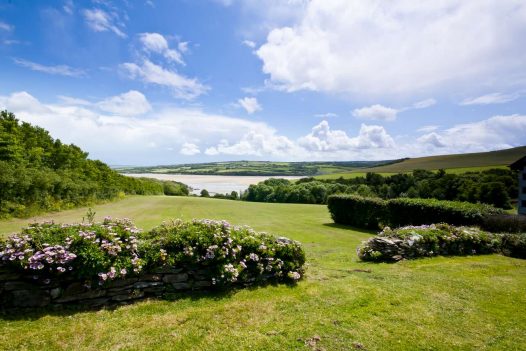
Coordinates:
(22, 290)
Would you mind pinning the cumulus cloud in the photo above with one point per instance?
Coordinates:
(99, 20)
(433, 139)
(427, 129)
(249, 43)
(156, 43)
(255, 143)
(493, 98)
(322, 138)
(376, 112)
(424, 104)
(250, 104)
(326, 115)
(181, 86)
(62, 70)
(379, 48)
(131, 103)
(189, 149)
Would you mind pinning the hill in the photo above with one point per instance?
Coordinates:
(257, 168)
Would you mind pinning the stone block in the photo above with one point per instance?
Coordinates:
(175, 278)
(142, 285)
(135, 294)
(30, 298)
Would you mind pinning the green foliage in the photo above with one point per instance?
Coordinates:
(373, 212)
(505, 223)
(205, 193)
(357, 211)
(39, 173)
(100, 252)
(440, 239)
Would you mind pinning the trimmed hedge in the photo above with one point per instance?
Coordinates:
(362, 212)
(440, 239)
(505, 223)
(116, 249)
(374, 212)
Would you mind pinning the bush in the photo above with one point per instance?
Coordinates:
(357, 211)
(373, 212)
(115, 249)
(440, 239)
(405, 211)
(505, 223)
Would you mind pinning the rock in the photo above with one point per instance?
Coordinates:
(95, 302)
(121, 282)
(55, 292)
(135, 294)
(90, 294)
(75, 289)
(167, 269)
(18, 285)
(175, 278)
(142, 285)
(30, 298)
(157, 290)
(202, 284)
(152, 277)
(181, 286)
(9, 276)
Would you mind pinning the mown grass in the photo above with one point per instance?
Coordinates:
(443, 303)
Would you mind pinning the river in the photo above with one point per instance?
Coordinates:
(215, 184)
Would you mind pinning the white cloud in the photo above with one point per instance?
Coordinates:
(326, 115)
(68, 7)
(433, 139)
(322, 138)
(156, 43)
(250, 104)
(132, 103)
(68, 100)
(181, 86)
(256, 143)
(427, 129)
(6, 26)
(62, 70)
(497, 132)
(101, 21)
(182, 46)
(376, 112)
(424, 104)
(189, 149)
(249, 43)
(378, 48)
(494, 98)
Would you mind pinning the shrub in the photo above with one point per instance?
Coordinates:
(116, 249)
(440, 239)
(405, 211)
(357, 211)
(373, 212)
(505, 223)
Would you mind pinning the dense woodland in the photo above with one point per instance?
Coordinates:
(496, 187)
(39, 173)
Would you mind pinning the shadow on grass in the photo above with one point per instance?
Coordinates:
(348, 227)
(216, 294)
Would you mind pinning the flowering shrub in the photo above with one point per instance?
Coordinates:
(116, 249)
(106, 250)
(439, 239)
(229, 253)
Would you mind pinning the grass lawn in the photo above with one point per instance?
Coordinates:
(443, 303)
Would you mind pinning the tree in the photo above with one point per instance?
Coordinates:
(204, 193)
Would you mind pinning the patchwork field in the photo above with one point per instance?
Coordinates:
(478, 302)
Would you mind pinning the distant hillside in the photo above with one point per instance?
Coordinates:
(258, 168)
(479, 159)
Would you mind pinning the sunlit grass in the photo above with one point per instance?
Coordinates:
(454, 303)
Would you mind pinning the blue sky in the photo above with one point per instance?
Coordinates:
(164, 82)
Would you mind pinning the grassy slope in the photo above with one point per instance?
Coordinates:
(461, 303)
(482, 159)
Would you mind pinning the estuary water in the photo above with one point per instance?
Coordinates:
(215, 184)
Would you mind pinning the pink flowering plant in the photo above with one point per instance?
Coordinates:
(230, 254)
(115, 248)
(98, 251)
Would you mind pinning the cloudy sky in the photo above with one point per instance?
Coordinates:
(164, 82)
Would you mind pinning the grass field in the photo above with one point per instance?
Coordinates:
(443, 303)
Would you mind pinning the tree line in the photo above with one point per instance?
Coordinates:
(494, 186)
(39, 173)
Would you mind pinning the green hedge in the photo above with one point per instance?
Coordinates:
(358, 211)
(374, 213)
(440, 239)
(116, 249)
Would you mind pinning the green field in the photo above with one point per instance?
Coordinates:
(442, 303)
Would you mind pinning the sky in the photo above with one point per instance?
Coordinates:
(184, 81)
